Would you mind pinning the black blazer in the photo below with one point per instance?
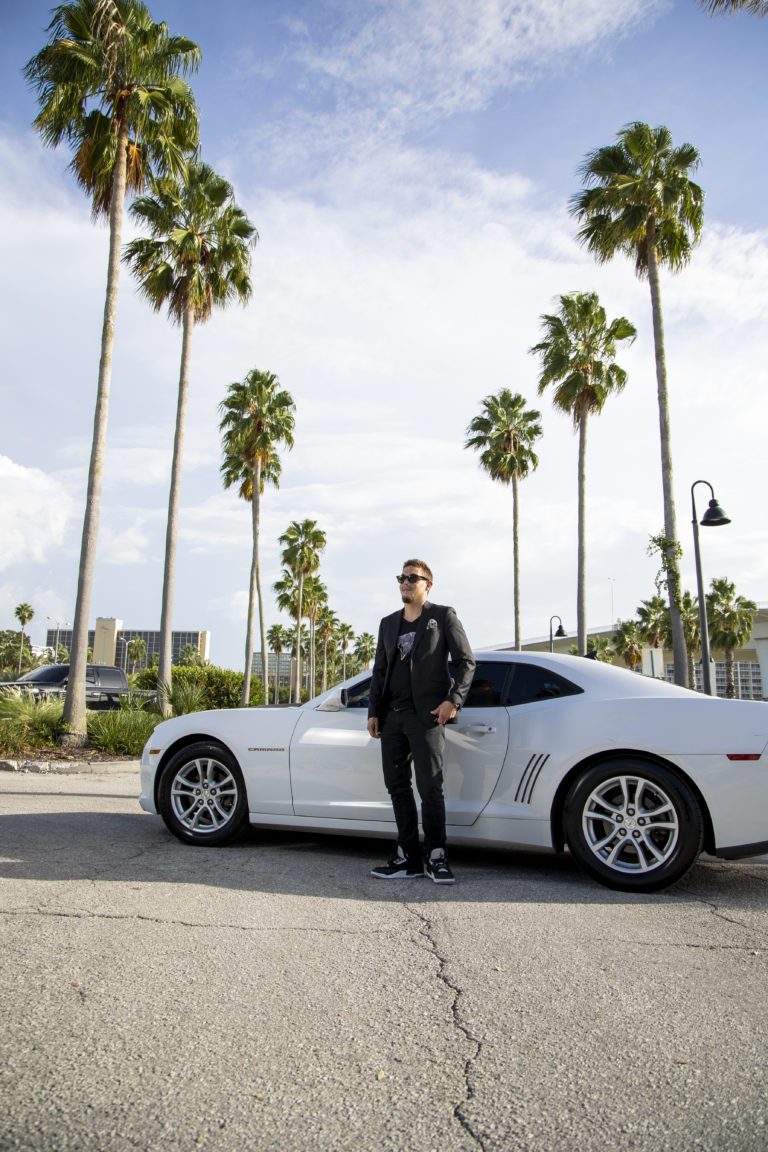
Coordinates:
(439, 635)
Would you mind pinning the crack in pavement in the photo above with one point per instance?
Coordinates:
(715, 911)
(426, 931)
(85, 915)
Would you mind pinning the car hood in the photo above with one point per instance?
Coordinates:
(231, 725)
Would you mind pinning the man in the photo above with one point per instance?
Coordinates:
(412, 698)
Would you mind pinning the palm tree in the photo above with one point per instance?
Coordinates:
(628, 643)
(109, 84)
(504, 434)
(758, 7)
(197, 257)
(302, 544)
(689, 615)
(641, 201)
(137, 650)
(326, 629)
(286, 591)
(345, 635)
(315, 599)
(577, 358)
(23, 613)
(279, 639)
(730, 624)
(257, 417)
(653, 622)
(365, 649)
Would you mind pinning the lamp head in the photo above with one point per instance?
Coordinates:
(714, 516)
(560, 631)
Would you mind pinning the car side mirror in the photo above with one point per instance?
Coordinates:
(334, 703)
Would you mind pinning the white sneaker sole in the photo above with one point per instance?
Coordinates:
(398, 875)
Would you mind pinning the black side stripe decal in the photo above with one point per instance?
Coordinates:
(530, 776)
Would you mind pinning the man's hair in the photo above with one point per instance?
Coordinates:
(425, 568)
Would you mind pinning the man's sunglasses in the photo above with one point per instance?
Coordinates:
(412, 579)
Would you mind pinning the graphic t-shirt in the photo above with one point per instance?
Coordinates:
(400, 680)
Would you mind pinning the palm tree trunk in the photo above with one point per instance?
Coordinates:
(325, 666)
(516, 562)
(670, 523)
(277, 677)
(730, 682)
(300, 597)
(74, 700)
(312, 659)
(164, 669)
(581, 582)
(254, 588)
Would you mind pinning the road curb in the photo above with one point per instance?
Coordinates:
(70, 767)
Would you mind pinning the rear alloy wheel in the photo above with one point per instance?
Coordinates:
(633, 825)
(202, 795)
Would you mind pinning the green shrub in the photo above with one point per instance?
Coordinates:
(185, 696)
(27, 723)
(123, 732)
(221, 686)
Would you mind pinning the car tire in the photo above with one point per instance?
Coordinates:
(201, 796)
(633, 825)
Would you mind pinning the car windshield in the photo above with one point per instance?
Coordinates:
(50, 674)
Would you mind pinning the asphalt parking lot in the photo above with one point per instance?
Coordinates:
(273, 995)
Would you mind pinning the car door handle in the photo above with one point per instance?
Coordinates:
(478, 729)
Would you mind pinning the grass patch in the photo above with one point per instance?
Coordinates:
(123, 733)
(27, 723)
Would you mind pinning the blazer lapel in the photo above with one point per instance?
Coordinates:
(421, 624)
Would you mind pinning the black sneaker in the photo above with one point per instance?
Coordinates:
(437, 867)
(399, 868)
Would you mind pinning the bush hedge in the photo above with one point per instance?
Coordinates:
(222, 686)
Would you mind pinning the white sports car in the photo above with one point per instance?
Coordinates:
(637, 777)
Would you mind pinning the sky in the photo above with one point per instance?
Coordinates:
(408, 165)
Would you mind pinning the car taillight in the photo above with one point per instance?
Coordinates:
(743, 755)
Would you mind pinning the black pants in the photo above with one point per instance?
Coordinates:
(406, 741)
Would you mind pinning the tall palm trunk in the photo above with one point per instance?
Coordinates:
(164, 670)
(300, 598)
(278, 654)
(254, 590)
(259, 589)
(325, 666)
(312, 656)
(730, 679)
(581, 564)
(74, 701)
(670, 521)
(255, 586)
(516, 561)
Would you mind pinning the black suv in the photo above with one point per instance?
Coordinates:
(104, 684)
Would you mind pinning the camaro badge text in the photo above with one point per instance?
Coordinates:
(266, 749)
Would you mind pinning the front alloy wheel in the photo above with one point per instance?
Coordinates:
(202, 795)
(632, 825)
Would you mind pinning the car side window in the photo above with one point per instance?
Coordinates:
(530, 682)
(110, 678)
(488, 684)
(358, 695)
(90, 676)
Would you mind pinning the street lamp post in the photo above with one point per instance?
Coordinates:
(122, 640)
(712, 518)
(59, 625)
(559, 633)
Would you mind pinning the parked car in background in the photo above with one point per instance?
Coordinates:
(637, 777)
(104, 683)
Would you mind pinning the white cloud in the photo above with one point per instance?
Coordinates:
(34, 512)
(430, 58)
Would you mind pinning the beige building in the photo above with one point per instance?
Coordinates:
(750, 662)
(109, 642)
